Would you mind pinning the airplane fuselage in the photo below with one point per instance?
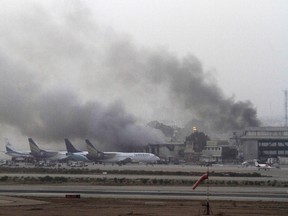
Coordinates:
(132, 157)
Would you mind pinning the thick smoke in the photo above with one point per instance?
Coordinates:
(58, 113)
(64, 76)
(188, 87)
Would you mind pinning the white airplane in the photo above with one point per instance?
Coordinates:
(119, 157)
(262, 166)
(16, 155)
(41, 154)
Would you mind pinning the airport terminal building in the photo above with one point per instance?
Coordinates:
(177, 152)
(262, 142)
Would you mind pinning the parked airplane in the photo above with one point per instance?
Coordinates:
(41, 154)
(119, 157)
(74, 153)
(16, 155)
(262, 166)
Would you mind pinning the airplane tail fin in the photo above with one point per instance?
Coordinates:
(8, 146)
(70, 148)
(92, 150)
(35, 150)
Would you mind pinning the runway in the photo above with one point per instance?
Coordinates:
(151, 192)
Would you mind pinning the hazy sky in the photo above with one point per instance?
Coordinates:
(65, 61)
(243, 43)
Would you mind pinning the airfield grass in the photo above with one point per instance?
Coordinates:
(105, 180)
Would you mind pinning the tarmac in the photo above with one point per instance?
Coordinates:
(18, 201)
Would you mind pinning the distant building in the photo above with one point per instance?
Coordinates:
(212, 152)
(215, 151)
(262, 142)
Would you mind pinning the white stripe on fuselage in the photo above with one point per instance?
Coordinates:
(135, 157)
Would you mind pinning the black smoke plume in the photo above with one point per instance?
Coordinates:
(65, 76)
